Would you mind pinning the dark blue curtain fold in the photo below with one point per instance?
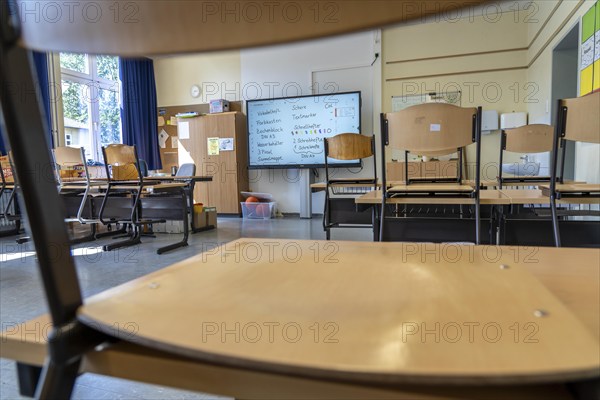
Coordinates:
(40, 60)
(139, 110)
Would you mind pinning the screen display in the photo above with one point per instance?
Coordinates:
(289, 132)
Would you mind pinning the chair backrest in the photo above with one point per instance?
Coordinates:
(534, 138)
(581, 122)
(70, 162)
(188, 169)
(121, 162)
(349, 146)
(431, 129)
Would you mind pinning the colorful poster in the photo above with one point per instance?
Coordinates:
(213, 146)
(589, 80)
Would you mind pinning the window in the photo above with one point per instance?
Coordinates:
(91, 101)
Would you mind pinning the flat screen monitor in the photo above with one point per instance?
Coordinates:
(288, 132)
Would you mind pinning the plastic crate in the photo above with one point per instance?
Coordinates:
(258, 210)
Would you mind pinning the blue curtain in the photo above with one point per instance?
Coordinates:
(43, 90)
(40, 60)
(139, 112)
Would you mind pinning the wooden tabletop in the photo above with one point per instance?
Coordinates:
(484, 184)
(486, 197)
(195, 178)
(26, 343)
(537, 196)
(575, 187)
(358, 312)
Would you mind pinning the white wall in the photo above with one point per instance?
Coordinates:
(287, 70)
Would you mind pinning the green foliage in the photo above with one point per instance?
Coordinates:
(75, 101)
(108, 67)
(110, 117)
(77, 97)
(74, 62)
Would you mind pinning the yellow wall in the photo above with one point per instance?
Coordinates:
(556, 19)
(448, 42)
(217, 73)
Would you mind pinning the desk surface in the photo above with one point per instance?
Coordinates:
(195, 178)
(316, 187)
(537, 196)
(355, 313)
(486, 197)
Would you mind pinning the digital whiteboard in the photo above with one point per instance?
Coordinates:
(289, 132)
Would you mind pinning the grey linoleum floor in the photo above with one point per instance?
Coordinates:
(21, 296)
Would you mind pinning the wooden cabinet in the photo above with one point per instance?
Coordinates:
(229, 168)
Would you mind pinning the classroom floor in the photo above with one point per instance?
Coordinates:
(22, 298)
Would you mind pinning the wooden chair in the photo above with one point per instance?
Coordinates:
(8, 186)
(432, 129)
(74, 177)
(577, 120)
(534, 138)
(346, 146)
(125, 177)
(7, 183)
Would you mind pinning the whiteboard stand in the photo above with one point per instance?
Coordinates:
(306, 179)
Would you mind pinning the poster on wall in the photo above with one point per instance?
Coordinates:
(590, 51)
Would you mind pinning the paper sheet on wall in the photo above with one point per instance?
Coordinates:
(226, 144)
(183, 130)
(162, 138)
(174, 142)
(213, 146)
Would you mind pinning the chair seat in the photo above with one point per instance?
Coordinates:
(431, 187)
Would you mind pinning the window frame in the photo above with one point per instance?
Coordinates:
(94, 83)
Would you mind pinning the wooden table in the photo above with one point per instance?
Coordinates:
(486, 197)
(537, 196)
(362, 309)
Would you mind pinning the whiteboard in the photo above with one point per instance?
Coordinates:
(289, 132)
(402, 102)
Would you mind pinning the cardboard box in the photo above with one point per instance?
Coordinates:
(206, 217)
(168, 227)
(218, 106)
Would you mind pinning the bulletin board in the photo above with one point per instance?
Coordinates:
(589, 79)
